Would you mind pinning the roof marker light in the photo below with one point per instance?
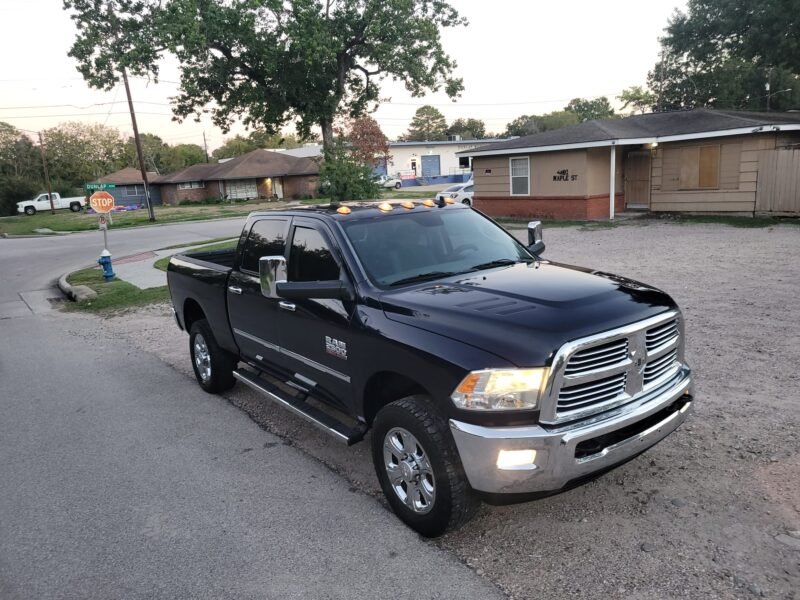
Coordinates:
(385, 207)
(408, 204)
(449, 201)
(343, 210)
(429, 203)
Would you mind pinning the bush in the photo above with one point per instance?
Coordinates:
(16, 189)
(343, 178)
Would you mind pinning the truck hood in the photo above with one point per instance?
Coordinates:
(525, 312)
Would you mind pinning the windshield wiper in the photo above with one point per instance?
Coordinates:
(500, 262)
(424, 277)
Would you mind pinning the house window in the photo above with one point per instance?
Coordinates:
(699, 167)
(134, 190)
(520, 176)
(191, 185)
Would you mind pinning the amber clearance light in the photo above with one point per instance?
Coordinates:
(429, 203)
(343, 210)
(407, 204)
(385, 207)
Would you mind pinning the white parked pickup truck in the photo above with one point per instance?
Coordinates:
(42, 202)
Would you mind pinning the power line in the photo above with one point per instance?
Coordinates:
(81, 115)
(88, 106)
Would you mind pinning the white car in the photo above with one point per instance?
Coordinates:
(461, 192)
(389, 182)
(42, 202)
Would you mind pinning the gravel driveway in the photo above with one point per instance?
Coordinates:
(714, 510)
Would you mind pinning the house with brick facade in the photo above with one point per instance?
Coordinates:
(257, 174)
(701, 160)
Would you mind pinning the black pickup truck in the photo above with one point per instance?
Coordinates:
(482, 370)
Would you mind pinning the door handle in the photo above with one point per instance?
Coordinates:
(286, 305)
(234, 289)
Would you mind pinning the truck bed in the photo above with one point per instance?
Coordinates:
(201, 278)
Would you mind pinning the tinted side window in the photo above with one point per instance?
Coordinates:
(311, 258)
(267, 238)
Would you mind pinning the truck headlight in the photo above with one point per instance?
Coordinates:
(500, 389)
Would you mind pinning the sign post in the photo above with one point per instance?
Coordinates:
(103, 203)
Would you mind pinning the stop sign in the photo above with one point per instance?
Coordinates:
(101, 202)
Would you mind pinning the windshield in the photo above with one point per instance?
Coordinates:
(404, 248)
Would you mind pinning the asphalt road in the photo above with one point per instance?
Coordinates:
(120, 478)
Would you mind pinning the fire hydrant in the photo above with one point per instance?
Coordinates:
(105, 262)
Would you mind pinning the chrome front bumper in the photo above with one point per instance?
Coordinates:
(556, 463)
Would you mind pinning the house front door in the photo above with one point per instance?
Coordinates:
(637, 179)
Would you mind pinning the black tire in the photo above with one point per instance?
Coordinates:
(466, 202)
(397, 185)
(30, 211)
(214, 372)
(75, 207)
(453, 502)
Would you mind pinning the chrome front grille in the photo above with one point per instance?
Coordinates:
(583, 394)
(597, 357)
(661, 335)
(603, 371)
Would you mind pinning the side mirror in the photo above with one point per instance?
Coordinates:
(535, 243)
(271, 271)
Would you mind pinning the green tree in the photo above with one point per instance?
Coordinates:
(15, 188)
(181, 156)
(722, 53)
(154, 151)
(269, 62)
(428, 124)
(589, 110)
(557, 120)
(80, 152)
(18, 156)
(343, 177)
(367, 144)
(233, 147)
(468, 129)
(639, 99)
(262, 139)
(522, 126)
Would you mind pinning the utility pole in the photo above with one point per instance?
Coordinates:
(768, 94)
(139, 148)
(205, 145)
(46, 174)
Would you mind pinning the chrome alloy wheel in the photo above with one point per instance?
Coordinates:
(202, 359)
(409, 470)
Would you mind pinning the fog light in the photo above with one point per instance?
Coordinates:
(516, 459)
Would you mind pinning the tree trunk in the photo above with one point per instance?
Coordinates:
(327, 135)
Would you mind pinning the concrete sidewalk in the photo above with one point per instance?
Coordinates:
(140, 270)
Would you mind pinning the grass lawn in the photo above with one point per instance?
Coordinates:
(65, 220)
(113, 295)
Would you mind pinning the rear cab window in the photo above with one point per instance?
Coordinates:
(267, 238)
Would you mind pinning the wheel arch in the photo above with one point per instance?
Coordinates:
(192, 312)
(385, 387)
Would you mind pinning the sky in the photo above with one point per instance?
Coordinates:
(516, 57)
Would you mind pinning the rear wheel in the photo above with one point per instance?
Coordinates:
(213, 367)
(418, 467)
(75, 207)
(30, 211)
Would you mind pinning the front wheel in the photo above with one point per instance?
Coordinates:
(419, 468)
(397, 185)
(466, 202)
(30, 211)
(213, 367)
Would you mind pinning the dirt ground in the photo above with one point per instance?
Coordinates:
(711, 512)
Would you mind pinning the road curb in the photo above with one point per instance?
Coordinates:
(75, 293)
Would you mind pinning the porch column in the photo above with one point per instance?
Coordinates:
(612, 181)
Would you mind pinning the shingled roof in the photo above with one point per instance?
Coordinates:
(126, 176)
(644, 128)
(256, 164)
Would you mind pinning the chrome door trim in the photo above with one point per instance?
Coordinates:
(286, 352)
